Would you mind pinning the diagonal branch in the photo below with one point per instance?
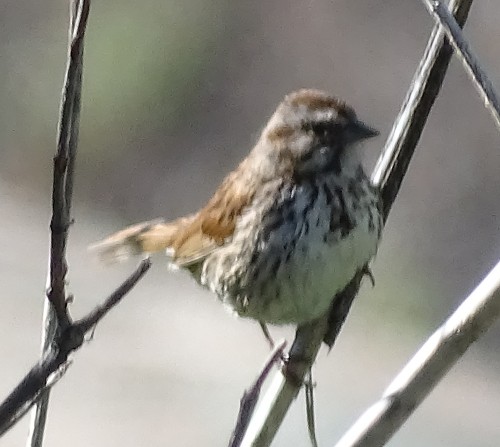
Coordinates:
(19, 413)
(408, 126)
(478, 76)
(251, 396)
(98, 313)
(70, 339)
(388, 175)
(428, 366)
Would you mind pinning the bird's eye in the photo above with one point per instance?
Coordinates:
(324, 129)
(321, 128)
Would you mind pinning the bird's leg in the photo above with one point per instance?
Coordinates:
(367, 272)
(272, 344)
(266, 333)
(291, 375)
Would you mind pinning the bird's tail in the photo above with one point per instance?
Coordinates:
(140, 239)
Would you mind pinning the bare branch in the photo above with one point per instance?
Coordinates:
(97, 314)
(388, 175)
(311, 419)
(20, 412)
(428, 366)
(26, 392)
(67, 341)
(471, 64)
(68, 131)
(408, 126)
(55, 307)
(251, 396)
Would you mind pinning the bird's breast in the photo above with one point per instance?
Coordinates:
(295, 248)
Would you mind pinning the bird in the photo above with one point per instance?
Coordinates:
(285, 231)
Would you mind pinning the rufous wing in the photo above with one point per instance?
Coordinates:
(214, 225)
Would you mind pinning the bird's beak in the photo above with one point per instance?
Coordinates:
(358, 131)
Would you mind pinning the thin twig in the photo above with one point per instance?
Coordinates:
(55, 313)
(251, 396)
(99, 312)
(388, 175)
(76, 53)
(311, 420)
(428, 366)
(69, 340)
(408, 126)
(39, 414)
(68, 125)
(472, 66)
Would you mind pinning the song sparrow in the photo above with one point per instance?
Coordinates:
(286, 230)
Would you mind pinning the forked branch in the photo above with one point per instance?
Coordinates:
(61, 335)
(67, 341)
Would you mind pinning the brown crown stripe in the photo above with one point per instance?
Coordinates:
(317, 100)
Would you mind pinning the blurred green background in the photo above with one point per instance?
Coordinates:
(174, 95)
